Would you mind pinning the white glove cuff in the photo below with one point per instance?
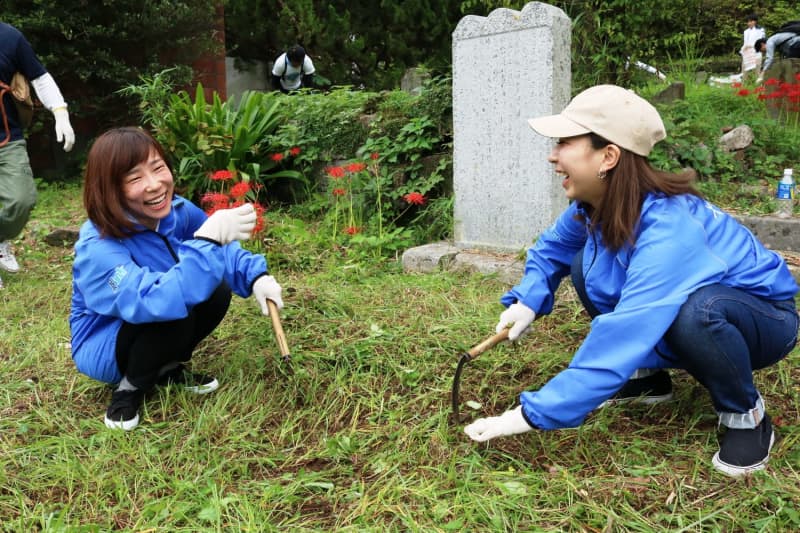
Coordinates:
(48, 92)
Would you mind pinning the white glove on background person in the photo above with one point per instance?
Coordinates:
(509, 423)
(519, 317)
(64, 130)
(266, 288)
(50, 95)
(228, 225)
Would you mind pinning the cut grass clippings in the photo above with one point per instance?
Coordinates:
(356, 435)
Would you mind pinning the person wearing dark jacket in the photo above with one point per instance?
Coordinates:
(17, 187)
(153, 275)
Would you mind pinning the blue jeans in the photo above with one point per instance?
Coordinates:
(720, 336)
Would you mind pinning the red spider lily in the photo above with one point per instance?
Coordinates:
(215, 199)
(355, 167)
(260, 209)
(374, 156)
(335, 172)
(352, 230)
(414, 198)
(743, 92)
(276, 157)
(222, 175)
(772, 81)
(339, 192)
(240, 189)
(736, 85)
(294, 151)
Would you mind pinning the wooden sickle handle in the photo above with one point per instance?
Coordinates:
(280, 336)
(491, 342)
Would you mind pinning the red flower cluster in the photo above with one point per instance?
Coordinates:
(214, 201)
(279, 156)
(778, 90)
(414, 198)
(222, 175)
(355, 167)
(352, 230)
(339, 192)
(335, 172)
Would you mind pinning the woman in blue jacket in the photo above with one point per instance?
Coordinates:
(669, 280)
(153, 275)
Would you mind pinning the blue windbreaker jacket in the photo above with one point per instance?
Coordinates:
(682, 243)
(152, 276)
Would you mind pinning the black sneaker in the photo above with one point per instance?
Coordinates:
(191, 381)
(743, 451)
(652, 389)
(123, 412)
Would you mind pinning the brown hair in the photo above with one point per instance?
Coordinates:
(112, 155)
(628, 184)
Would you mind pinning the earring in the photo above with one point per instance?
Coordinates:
(601, 174)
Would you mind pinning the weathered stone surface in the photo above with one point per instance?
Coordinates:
(414, 79)
(738, 138)
(64, 237)
(507, 68)
(675, 91)
(429, 257)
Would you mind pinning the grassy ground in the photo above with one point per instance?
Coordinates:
(354, 434)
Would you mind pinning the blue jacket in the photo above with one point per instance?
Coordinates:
(682, 243)
(151, 276)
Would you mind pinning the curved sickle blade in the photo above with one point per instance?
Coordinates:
(466, 357)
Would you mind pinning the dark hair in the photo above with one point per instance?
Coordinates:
(628, 184)
(758, 44)
(296, 54)
(112, 155)
(753, 17)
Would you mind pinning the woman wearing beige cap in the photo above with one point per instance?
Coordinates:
(669, 280)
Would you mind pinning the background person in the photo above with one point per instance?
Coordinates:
(17, 188)
(751, 58)
(153, 275)
(669, 280)
(293, 70)
(786, 43)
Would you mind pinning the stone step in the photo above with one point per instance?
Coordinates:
(781, 235)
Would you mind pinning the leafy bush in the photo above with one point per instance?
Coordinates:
(206, 137)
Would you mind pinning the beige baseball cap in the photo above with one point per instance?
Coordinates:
(614, 113)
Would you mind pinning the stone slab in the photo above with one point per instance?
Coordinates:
(507, 68)
(781, 235)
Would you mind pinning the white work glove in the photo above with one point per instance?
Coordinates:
(228, 225)
(64, 128)
(509, 423)
(266, 288)
(519, 317)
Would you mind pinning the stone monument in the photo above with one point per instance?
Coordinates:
(507, 68)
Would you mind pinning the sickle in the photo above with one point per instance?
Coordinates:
(466, 357)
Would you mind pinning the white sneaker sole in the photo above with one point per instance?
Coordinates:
(644, 400)
(125, 425)
(202, 389)
(737, 471)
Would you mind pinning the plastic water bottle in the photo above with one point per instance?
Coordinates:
(785, 194)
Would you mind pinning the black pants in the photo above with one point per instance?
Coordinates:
(143, 349)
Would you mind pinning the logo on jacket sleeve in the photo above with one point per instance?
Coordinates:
(117, 277)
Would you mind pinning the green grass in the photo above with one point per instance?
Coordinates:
(354, 434)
